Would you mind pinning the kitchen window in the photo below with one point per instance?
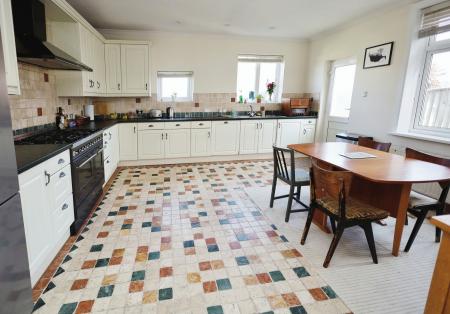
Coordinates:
(431, 114)
(175, 86)
(253, 74)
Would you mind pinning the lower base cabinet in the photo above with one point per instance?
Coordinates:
(225, 137)
(150, 144)
(128, 141)
(177, 143)
(200, 142)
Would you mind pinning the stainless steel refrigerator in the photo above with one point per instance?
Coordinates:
(15, 284)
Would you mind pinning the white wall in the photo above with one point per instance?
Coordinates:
(376, 114)
(213, 58)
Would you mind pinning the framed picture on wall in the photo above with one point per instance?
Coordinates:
(378, 56)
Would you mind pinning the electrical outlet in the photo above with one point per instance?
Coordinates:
(45, 77)
(39, 112)
(138, 100)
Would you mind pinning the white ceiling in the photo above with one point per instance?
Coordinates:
(268, 18)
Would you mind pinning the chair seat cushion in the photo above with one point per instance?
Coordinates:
(417, 199)
(301, 175)
(354, 209)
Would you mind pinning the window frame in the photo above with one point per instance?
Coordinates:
(279, 76)
(160, 75)
(432, 47)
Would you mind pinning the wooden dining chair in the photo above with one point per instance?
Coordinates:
(295, 178)
(330, 194)
(420, 204)
(367, 142)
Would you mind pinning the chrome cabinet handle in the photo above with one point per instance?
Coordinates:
(134, 129)
(62, 174)
(177, 124)
(162, 136)
(107, 161)
(64, 207)
(209, 134)
(118, 86)
(166, 136)
(48, 177)
(150, 125)
(146, 86)
(110, 135)
(225, 122)
(106, 142)
(98, 84)
(200, 124)
(61, 161)
(257, 126)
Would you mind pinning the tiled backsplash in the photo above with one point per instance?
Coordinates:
(37, 104)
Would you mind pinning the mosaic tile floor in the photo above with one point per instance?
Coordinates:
(185, 239)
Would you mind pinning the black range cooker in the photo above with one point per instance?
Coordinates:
(88, 174)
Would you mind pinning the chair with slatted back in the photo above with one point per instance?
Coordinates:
(330, 194)
(367, 142)
(296, 178)
(420, 204)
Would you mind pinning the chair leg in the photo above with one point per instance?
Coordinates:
(289, 205)
(274, 187)
(308, 223)
(406, 220)
(370, 240)
(417, 225)
(337, 236)
(299, 191)
(333, 224)
(439, 211)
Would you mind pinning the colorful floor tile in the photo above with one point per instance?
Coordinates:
(185, 238)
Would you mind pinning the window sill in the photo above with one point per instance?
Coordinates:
(417, 136)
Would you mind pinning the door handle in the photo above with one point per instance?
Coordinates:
(225, 122)
(62, 174)
(146, 86)
(134, 129)
(200, 124)
(64, 207)
(60, 161)
(166, 136)
(48, 177)
(209, 134)
(177, 124)
(110, 136)
(98, 84)
(162, 136)
(118, 86)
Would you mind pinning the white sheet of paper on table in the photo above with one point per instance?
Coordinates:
(357, 155)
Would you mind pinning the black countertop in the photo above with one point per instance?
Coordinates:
(28, 156)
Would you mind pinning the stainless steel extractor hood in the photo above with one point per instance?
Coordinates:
(31, 39)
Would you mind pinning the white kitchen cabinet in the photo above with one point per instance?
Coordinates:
(115, 151)
(110, 151)
(47, 206)
(225, 137)
(257, 136)
(135, 69)
(113, 69)
(177, 143)
(151, 144)
(288, 132)
(99, 66)
(249, 136)
(200, 142)
(307, 131)
(9, 48)
(128, 141)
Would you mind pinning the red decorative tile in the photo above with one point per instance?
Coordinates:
(136, 286)
(204, 265)
(79, 284)
(263, 278)
(102, 234)
(165, 272)
(318, 294)
(88, 264)
(84, 307)
(209, 286)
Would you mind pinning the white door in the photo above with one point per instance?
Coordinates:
(9, 48)
(225, 137)
(177, 143)
(249, 137)
(36, 219)
(267, 131)
(200, 142)
(134, 61)
(113, 69)
(151, 144)
(288, 132)
(340, 91)
(128, 141)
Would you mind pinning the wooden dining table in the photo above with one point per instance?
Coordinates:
(384, 181)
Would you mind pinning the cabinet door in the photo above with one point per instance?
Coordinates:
(267, 131)
(87, 57)
(100, 86)
(113, 69)
(115, 145)
(200, 142)
(128, 141)
(307, 134)
(288, 132)
(37, 220)
(108, 165)
(9, 48)
(178, 143)
(249, 137)
(225, 137)
(151, 144)
(134, 65)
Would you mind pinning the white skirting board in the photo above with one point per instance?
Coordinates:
(168, 161)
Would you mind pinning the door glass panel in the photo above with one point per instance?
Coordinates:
(342, 90)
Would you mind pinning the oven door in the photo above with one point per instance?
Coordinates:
(88, 177)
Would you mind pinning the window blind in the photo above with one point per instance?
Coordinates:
(435, 19)
(175, 73)
(257, 58)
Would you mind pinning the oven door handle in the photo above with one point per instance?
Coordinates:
(90, 158)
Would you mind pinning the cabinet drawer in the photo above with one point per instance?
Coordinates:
(201, 124)
(177, 125)
(151, 126)
(57, 163)
(309, 121)
(61, 184)
(63, 215)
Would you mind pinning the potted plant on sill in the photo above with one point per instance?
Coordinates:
(259, 98)
(270, 89)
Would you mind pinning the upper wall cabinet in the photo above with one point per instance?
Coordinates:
(127, 69)
(9, 47)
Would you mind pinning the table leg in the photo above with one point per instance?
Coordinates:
(401, 216)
